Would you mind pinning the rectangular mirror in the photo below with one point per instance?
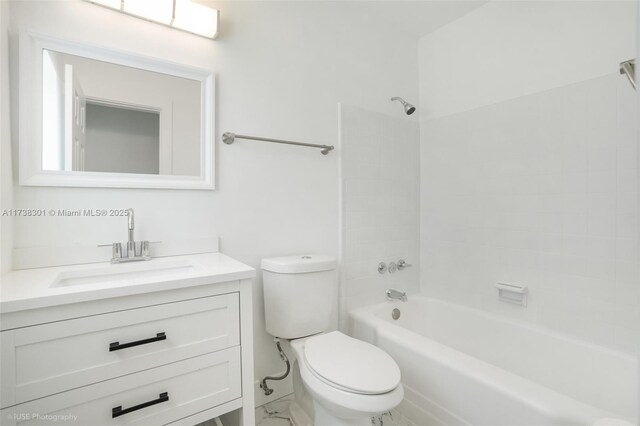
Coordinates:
(96, 117)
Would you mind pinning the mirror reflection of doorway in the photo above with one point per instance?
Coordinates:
(74, 121)
(109, 118)
(121, 139)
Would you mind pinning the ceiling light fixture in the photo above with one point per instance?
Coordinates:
(184, 15)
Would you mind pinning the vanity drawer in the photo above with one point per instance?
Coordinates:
(55, 357)
(152, 397)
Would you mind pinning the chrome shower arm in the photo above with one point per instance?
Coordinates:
(628, 68)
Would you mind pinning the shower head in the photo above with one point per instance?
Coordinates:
(408, 108)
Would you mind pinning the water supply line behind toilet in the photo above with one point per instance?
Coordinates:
(263, 384)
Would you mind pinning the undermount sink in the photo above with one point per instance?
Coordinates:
(124, 273)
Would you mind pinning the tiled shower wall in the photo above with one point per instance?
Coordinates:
(380, 204)
(540, 191)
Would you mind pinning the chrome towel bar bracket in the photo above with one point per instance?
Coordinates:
(230, 138)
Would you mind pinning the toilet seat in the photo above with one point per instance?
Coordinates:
(343, 403)
(351, 365)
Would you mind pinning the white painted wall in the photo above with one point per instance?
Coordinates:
(637, 339)
(282, 68)
(507, 49)
(380, 204)
(6, 180)
(529, 165)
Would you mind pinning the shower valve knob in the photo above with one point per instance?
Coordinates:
(402, 264)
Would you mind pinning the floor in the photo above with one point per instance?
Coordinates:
(276, 413)
(392, 418)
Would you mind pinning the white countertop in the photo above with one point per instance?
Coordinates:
(35, 288)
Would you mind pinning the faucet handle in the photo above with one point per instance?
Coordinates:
(116, 251)
(144, 248)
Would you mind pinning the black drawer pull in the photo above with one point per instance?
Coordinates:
(116, 346)
(118, 411)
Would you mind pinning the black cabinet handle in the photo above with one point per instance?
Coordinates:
(118, 411)
(116, 346)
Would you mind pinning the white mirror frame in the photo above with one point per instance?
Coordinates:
(30, 118)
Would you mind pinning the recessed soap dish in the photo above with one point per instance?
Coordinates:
(511, 293)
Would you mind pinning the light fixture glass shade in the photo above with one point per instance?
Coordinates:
(185, 15)
(195, 18)
(154, 10)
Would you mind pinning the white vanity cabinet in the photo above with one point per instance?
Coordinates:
(181, 355)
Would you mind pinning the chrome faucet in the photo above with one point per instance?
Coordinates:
(132, 255)
(393, 294)
(131, 243)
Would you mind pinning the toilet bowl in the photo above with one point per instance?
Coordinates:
(337, 380)
(349, 380)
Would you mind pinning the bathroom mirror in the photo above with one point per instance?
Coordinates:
(91, 116)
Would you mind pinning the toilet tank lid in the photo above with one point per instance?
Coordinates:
(299, 264)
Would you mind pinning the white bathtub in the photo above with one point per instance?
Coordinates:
(464, 366)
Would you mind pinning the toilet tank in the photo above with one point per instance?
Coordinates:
(299, 294)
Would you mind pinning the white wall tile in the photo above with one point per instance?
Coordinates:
(381, 204)
(565, 224)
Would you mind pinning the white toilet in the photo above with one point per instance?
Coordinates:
(348, 380)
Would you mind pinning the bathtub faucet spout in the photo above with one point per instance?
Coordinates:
(393, 294)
